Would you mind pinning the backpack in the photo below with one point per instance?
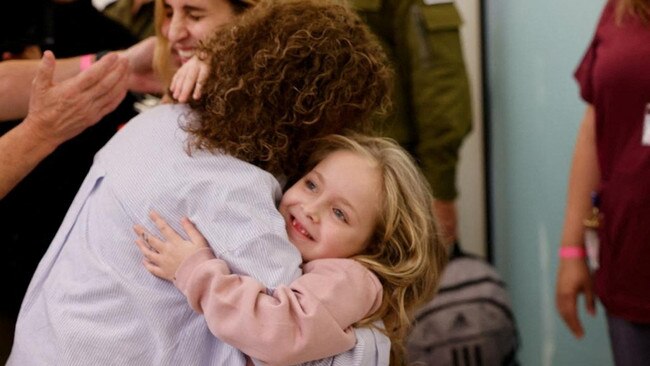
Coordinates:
(469, 322)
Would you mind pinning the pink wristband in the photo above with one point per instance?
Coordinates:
(85, 61)
(572, 252)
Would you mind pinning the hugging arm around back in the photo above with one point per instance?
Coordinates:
(309, 319)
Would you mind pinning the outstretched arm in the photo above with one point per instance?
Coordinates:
(16, 77)
(58, 112)
(307, 320)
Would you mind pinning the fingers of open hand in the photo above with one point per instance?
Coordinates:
(195, 236)
(203, 75)
(87, 97)
(566, 304)
(99, 71)
(45, 72)
(164, 228)
(183, 93)
(186, 82)
(154, 261)
(151, 242)
(107, 102)
(175, 81)
(149, 253)
(183, 79)
(570, 283)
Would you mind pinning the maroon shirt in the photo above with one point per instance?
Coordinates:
(614, 77)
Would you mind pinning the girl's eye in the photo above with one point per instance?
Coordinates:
(168, 12)
(340, 215)
(310, 185)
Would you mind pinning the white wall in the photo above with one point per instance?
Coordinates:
(533, 47)
(471, 171)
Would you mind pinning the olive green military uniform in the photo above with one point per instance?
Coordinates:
(140, 24)
(432, 111)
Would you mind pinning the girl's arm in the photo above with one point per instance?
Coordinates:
(307, 320)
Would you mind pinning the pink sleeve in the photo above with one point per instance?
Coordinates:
(308, 320)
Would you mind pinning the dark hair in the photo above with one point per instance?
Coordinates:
(284, 73)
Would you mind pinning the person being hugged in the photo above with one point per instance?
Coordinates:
(283, 73)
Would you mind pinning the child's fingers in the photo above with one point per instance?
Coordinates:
(172, 85)
(168, 233)
(195, 235)
(188, 85)
(154, 269)
(203, 75)
(150, 240)
(146, 250)
(180, 76)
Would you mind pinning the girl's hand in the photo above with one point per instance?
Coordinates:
(162, 258)
(189, 80)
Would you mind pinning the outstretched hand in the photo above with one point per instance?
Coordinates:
(163, 257)
(574, 279)
(189, 80)
(58, 112)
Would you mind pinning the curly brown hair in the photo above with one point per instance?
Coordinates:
(285, 73)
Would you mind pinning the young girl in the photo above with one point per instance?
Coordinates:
(362, 222)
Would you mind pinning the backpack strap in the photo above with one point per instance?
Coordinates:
(457, 251)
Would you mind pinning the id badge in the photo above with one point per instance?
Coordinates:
(592, 223)
(645, 139)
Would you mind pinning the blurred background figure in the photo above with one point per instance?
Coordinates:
(608, 185)
(135, 15)
(432, 108)
(43, 197)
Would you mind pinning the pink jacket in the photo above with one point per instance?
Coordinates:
(310, 319)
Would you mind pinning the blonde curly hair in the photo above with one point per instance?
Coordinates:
(405, 252)
(285, 73)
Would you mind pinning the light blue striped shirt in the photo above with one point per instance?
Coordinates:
(91, 301)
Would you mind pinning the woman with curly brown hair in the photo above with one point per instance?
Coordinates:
(90, 300)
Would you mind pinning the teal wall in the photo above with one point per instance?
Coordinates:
(532, 49)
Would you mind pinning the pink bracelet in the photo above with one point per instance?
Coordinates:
(85, 61)
(572, 252)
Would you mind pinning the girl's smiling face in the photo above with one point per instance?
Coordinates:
(332, 211)
(187, 22)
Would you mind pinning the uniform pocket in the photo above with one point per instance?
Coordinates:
(440, 17)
